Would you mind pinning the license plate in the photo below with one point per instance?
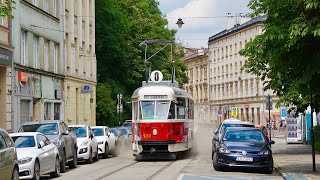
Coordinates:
(245, 159)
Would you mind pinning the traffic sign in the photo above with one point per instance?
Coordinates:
(119, 96)
(119, 108)
(219, 112)
(234, 111)
(269, 102)
(156, 76)
(283, 113)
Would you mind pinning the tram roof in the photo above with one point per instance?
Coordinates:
(163, 86)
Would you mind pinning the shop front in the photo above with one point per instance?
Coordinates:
(5, 88)
(40, 97)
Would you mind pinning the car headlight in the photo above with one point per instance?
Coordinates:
(85, 143)
(100, 142)
(56, 142)
(25, 160)
(264, 152)
(224, 150)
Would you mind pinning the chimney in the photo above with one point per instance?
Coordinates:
(244, 18)
(230, 21)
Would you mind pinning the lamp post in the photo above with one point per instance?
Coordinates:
(179, 22)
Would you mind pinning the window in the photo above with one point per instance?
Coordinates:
(55, 59)
(235, 48)
(47, 111)
(35, 51)
(46, 55)
(7, 140)
(2, 142)
(54, 6)
(46, 5)
(1, 18)
(56, 111)
(181, 107)
(24, 60)
(258, 115)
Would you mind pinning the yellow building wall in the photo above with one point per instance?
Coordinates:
(80, 108)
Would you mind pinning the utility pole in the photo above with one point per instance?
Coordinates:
(312, 138)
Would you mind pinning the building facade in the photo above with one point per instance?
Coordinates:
(80, 82)
(234, 92)
(197, 64)
(5, 74)
(39, 63)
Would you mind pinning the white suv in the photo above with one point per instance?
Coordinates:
(87, 143)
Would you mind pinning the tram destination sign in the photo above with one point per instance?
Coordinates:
(155, 96)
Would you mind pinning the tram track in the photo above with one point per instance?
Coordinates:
(132, 164)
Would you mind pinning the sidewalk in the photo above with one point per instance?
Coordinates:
(294, 161)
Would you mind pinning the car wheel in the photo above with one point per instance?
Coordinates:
(36, 171)
(56, 172)
(63, 163)
(215, 163)
(269, 170)
(15, 174)
(96, 158)
(106, 152)
(89, 161)
(74, 162)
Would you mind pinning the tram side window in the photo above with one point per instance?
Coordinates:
(135, 110)
(172, 111)
(181, 108)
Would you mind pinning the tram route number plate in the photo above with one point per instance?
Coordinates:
(245, 159)
(146, 136)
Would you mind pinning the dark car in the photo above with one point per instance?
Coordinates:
(227, 123)
(57, 132)
(9, 168)
(243, 147)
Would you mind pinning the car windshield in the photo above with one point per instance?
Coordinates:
(24, 141)
(79, 131)
(98, 131)
(224, 126)
(46, 129)
(123, 131)
(236, 135)
(114, 131)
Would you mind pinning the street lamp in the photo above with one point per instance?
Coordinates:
(179, 23)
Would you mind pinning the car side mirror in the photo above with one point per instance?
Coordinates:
(271, 142)
(41, 144)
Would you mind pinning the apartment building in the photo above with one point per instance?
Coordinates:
(197, 64)
(80, 82)
(229, 87)
(5, 73)
(39, 64)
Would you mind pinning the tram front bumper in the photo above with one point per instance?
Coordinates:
(161, 146)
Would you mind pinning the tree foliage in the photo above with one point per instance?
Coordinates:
(6, 8)
(287, 54)
(121, 25)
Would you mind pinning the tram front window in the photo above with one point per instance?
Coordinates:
(155, 109)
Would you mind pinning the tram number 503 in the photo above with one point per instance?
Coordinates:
(146, 136)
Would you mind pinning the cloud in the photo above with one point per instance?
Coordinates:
(202, 18)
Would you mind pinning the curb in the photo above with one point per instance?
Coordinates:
(281, 172)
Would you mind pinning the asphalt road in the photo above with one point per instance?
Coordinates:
(195, 165)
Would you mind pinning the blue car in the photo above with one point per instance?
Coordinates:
(243, 147)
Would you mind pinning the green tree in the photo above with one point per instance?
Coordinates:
(287, 54)
(6, 8)
(121, 25)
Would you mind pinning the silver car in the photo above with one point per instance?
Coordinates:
(36, 155)
(9, 168)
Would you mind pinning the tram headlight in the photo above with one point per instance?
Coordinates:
(154, 132)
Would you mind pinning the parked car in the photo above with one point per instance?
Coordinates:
(128, 124)
(87, 143)
(125, 134)
(57, 132)
(106, 141)
(227, 123)
(264, 130)
(9, 167)
(243, 147)
(116, 133)
(36, 155)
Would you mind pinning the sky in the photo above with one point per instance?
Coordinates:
(202, 18)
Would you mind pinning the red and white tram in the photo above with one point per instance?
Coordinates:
(162, 117)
